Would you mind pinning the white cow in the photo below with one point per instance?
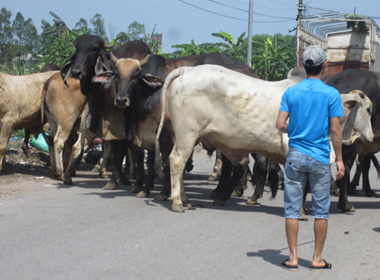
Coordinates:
(20, 105)
(234, 112)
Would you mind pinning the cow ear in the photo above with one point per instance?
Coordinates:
(352, 102)
(152, 81)
(66, 69)
(103, 77)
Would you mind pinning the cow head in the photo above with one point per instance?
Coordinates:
(126, 73)
(356, 122)
(82, 63)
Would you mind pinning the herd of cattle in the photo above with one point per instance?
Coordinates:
(135, 101)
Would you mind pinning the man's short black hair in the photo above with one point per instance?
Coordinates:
(314, 70)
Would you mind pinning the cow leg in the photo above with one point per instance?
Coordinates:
(25, 144)
(76, 154)
(217, 170)
(149, 181)
(140, 171)
(6, 130)
(101, 166)
(238, 171)
(366, 184)
(166, 146)
(189, 163)
(178, 158)
(119, 149)
(273, 178)
(242, 185)
(355, 180)
(60, 138)
(224, 179)
(349, 156)
(259, 175)
(303, 209)
(132, 163)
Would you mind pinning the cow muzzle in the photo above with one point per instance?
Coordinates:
(122, 102)
(77, 74)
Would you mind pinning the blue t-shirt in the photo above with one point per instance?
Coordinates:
(310, 104)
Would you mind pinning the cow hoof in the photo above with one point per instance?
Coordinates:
(303, 217)
(249, 177)
(250, 201)
(142, 194)
(177, 208)
(347, 208)
(237, 193)
(136, 189)
(110, 186)
(213, 177)
(218, 202)
(335, 192)
(68, 181)
(95, 169)
(370, 193)
(103, 176)
(215, 194)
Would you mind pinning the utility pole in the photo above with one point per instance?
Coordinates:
(250, 20)
(299, 17)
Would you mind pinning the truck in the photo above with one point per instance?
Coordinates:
(352, 41)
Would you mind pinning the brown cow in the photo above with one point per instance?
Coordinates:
(66, 110)
(20, 105)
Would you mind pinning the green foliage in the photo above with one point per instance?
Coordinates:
(16, 68)
(82, 25)
(193, 49)
(236, 49)
(273, 56)
(60, 48)
(98, 27)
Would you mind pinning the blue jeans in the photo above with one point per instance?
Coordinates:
(298, 169)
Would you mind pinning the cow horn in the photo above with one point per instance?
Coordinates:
(114, 59)
(108, 46)
(144, 61)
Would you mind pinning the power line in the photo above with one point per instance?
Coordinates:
(211, 11)
(216, 2)
(218, 14)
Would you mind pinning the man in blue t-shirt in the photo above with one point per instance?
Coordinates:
(313, 110)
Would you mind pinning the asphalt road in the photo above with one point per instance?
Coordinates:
(52, 231)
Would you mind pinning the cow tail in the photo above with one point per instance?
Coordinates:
(158, 163)
(49, 140)
(376, 164)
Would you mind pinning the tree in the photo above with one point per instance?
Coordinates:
(136, 31)
(98, 27)
(59, 50)
(26, 33)
(5, 27)
(82, 27)
(192, 49)
(236, 49)
(273, 56)
(123, 37)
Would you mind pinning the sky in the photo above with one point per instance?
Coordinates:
(181, 21)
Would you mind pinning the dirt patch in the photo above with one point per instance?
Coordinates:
(17, 166)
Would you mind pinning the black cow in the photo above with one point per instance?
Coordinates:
(369, 83)
(106, 120)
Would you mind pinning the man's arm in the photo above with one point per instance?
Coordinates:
(281, 121)
(336, 135)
